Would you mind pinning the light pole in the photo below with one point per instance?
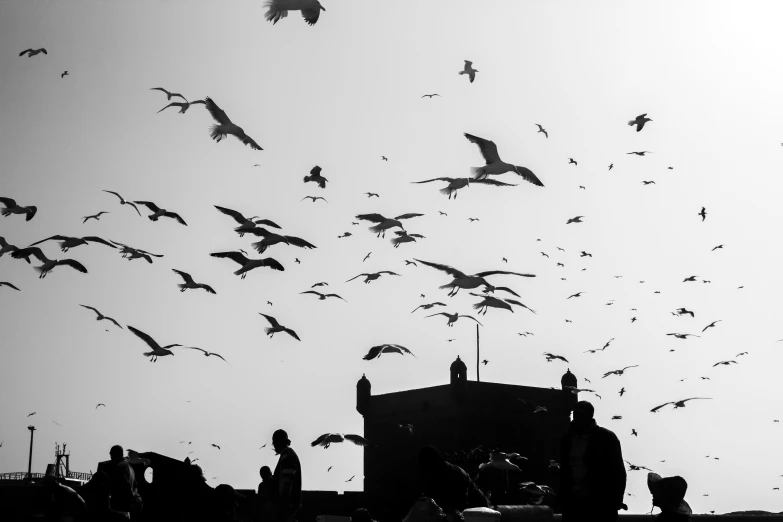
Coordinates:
(30, 459)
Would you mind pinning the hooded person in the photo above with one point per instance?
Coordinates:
(669, 495)
(447, 484)
(592, 470)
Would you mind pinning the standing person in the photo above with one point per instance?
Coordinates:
(447, 484)
(592, 472)
(669, 495)
(124, 493)
(286, 480)
(265, 508)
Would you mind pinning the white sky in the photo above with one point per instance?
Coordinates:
(340, 95)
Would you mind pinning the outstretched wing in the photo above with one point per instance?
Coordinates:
(335, 295)
(388, 272)
(291, 333)
(408, 216)
(91, 308)
(184, 275)
(144, 337)
(444, 268)
(299, 242)
(659, 407)
(193, 347)
(528, 175)
(267, 222)
(8, 202)
(272, 320)
(488, 148)
(507, 289)
(435, 179)
(237, 257)
(502, 272)
(320, 441)
(247, 140)
(113, 321)
(5, 283)
(360, 275)
(471, 317)
(519, 304)
(216, 112)
(319, 294)
(272, 263)
(374, 352)
(375, 218)
(356, 439)
(26, 252)
(311, 15)
(494, 182)
(149, 204)
(56, 238)
(73, 264)
(96, 239)
(176, 216)
(239, 218)
(433, 315)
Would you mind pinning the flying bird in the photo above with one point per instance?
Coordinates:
(611, 166)
(717, 247)
(189, 283)
(96, 217)
(545, 254)
(407, 262)
(215, 446)
(494, 302)
(542, 129)
(462, 280)
(245, 223)
(454, 317)
(430, 95)
(366, 257)
(67, 243)
(376, 351)
(484, 362)
(169, 95)
(321, 296)
(278, 9)
(248, 264)
(690, 279)
(123, 202)
(160, 212)
(473, 219)
(313, 198)
(226, 127)
(100, 404)
(618, 372)
(31, 414)
(157, 350)
(48, 264)
(134, 253)
(372, 277)
(428, 306)
(711, 325)
(345, 234)
(384, 223)
(683, 311)
(276, 327)
(206, 353)
(6, 247)
(469, 70)
(10, 285)
(677, 404)
(725, 363)
(551, 357)
(11, 207)
(577, 219)
(495, 165)
(184, 106)
(617, 417)
(64, 74)
(622, 391)
(639, 121)
(641, 153)
(404, 237)
(703, 213)
(327, 439)
(100, 316)
(578, 294)
(454, 184)
(33, 52)
(572, 160)
(648, 182)
(315, 176)
(371, 194)
(683, 336)
(270, 238)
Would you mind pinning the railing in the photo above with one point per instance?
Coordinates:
(23, 475)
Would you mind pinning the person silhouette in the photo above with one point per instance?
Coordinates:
(669, 495)
(265, 508)
(286, 479)
(592, 471)
(447, 484)
(124, 494)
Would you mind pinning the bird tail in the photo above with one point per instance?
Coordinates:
(632, 122)
(6, 212)
(216, 133)
(476, 306)
(39, 269)
(268, 330)
(240, 271)
(446, 191)
(377, 228)
(449, 286)
(477, 172)
(148, 354)
(259, 246)
(181, 286)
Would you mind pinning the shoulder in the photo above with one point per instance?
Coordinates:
(605, 434)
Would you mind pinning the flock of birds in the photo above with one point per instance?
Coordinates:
(267, 234)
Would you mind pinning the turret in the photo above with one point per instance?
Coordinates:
(459, 377)
(363, 394)
(569, 384)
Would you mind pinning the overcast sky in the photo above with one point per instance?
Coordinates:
(340, 95)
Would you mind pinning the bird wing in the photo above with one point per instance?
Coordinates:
(659, 407)
(267, 222)
(433, 315)
(216, 112)
(471, 317)
(144, 337)
(634, 366)
(247, 140)
(320, 441)
(131, 203)
(56, 238)
(8, 202)
(506, 289)
(175, 216)
(96, 239)
(356, 439)
(444, 268)
(489, 181)
(291, 333)
(9, 284)
(185, 276)
(149, 204)
(234, 256)
(272, 263)
(360, 275)
(258, 231)
(684, 400)
(272, 320)
(239, 218)
(528, 175)
(91, 308)
(488, 148)
(375, 218)
(502, 272)
(218, 355)
(194, 348)
(26, 252)
(335, 295)
(173, 104)
(113, 321)
(25, 51)
(374, 352)
(313, 292)
(311, 15)
(435, 179)
(512, 301)
(299, 242)
(408, 216)
(161, 89)
(387, 272)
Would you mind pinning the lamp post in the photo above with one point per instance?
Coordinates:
(30, 459)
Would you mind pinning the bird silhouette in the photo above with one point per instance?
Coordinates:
(350, 479)
(617, 417)
(572, 160)
(328, 439)
(248, 264)
(215, 446)
(715, 248)
(495, 165)
(484, 362)
(494, 302)
(100, 404)
(6, 247)
(462, 280)
(315, 177)
(278, 9)
(100, 317)
(48, 264)
(703, 213)
(345, 234)
(225, 126)
(454, 317)
(648, 182)
(641, 153)
(372, 277)
(158, 212)
(123, 202)
(677, 404)
(407, 262)
(611, 166)
(724, 363)
(245, 224)
(133, 253)
(430, 95)
(577, 219)
(323, 283)
(551, 357)
(618, 372)
(473, 219)
(683, 311)
(404, 237)
(31, 414)
(157, 350)
(67, 243)
(184, 106)
(639, 121)
(169, 94)
(622, 391)
(206, 353)
(322, 297)
(578, 294)
(542, 129)
(682, 336)
(366, 257)
(96, 217)
(189, 283)
(10, 285)
(32, 52)
(469, 70)
(376, 351)
(371, 194)
(11, 207)
(455, 184)
(384, 223)
(428, 306)
(277, 327)
(270, 239)
(689, 279)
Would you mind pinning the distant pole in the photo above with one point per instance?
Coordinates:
(478, 357)
(30, 459)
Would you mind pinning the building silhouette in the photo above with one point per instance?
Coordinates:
(461, 415)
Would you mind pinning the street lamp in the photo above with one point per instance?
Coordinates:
(30, 460)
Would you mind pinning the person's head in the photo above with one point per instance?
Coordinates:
(430, 459)
(227, 497)
(669, 493)
(116, 452)
(266, 473)
(280, 441)
(583, 414)
(196, 473)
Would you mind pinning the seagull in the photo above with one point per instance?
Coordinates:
(484, 362)
(622, 391)
(5, 283)
(96, 217)
(6, 247)
(430, 95)
(677, 404)
(741, 353)
(550, 357)
(245, 223)
(683, 311)
(11, 207)
(123, 202)
(690, 279)
(639, 121)
(33, 52)
(226, 127)
(469, 70)
(184, 106)
(683, 336)
(376, 351)
(703, 213)
(67, 243)
(617, 417)
(327, 439)
(160, 212)
(578, 294)
(611, 166)
(495, 165)
(278, 9)
(473, 219)
(101, 317)
(64, 74)
(134, 253)
(270, 238)
(371, 194)
(462, 280)
(711, 325)
(577, 219)
(428, 306)
(618, 372)
(384, 223)
(276, 327)
(189, 283)
(572, 160)
(409, 263)
(100, 404)
(168, 94)
(641, 153)
(206, 353)
(48, 264)
(582, 187)
(648, 182)
(366, 257)
(157, 350)
(494, 302)
(724, 363)
(345, 234)
(248, 264)
(545, 254)
(315, 176)
(384, 158)
(31, 414)
(404, 237)
(215, 446)
(717, 247)
(454, 317)
(542, 129)
(372, 277)
(321, 296)
(457, 183)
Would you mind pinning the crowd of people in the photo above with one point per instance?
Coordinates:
(592, 484)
